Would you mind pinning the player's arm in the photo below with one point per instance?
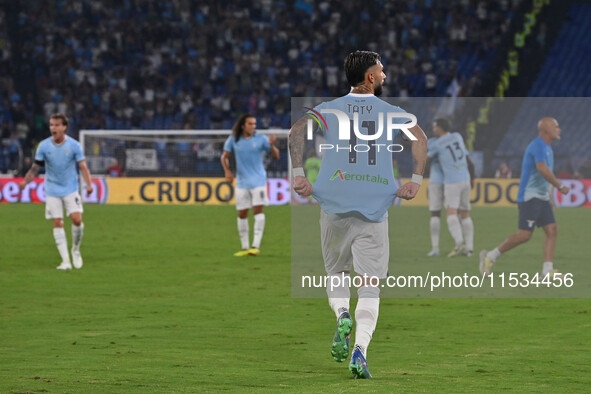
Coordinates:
(543, 169)
(471, 170)
(31, 174)
(274, 149)
(225, 159)
(86, 176)
(419, 157)
(297, 146)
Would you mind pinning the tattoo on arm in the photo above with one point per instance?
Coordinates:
(32, 173)
(297, 143)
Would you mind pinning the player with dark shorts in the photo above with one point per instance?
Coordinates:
(533, 199)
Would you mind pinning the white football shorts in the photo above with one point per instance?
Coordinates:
(457, 195)
(248, 198)
(352, 241)
(435, 194)
(54, 206)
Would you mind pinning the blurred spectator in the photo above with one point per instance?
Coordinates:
(115, 169)
(503, 171)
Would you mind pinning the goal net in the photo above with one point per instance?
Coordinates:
(168, 153)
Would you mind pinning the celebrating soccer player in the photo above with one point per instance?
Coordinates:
(533, 199)
(60, 154)
(251, 178)
(458, 172)
(354, 188)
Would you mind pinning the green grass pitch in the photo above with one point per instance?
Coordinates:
(162, 306)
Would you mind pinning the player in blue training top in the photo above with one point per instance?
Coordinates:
(60, 154)
(251, 178)
(435, 195)
(458, 177)
(354, 188)
(533, 199)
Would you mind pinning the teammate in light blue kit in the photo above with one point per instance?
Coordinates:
(435, 194)
(60, 155)
(533, 199)
(251, 177)
(458, 172)
(355, 187)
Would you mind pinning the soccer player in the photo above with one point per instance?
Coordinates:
(251, 178)
(60, 154)
(354, 188)
(435, 194)
(533, 199)
(458, 175)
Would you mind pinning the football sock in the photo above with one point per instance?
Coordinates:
(259, 228)
(59, 234)
(435, 224)
(468, 230)
(453, 224)
(243, 232)
(548, 266)
(77, 233)
(338, 296)
(366, 316)
(494, 254)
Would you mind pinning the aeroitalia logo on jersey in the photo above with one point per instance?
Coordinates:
(343, 176)
(374, 128)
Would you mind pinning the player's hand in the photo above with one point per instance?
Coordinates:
(564, 190)
(302, 186)
(229, 177)
(408, 191)
(89, 189)
(272, 139)
(22, 184)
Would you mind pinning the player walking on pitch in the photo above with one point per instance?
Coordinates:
(435, 194)
(533, 199)
(60, 154)
(354, 204)
(251, 178)
(458, 172)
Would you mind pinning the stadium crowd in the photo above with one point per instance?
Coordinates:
(181, 64)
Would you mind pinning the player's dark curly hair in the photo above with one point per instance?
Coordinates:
(357, 63)
(443, 123)
(237, 129)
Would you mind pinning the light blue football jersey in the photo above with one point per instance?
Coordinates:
(451, 153)
(250, 171)
(61, 173)
(532, 184)
(435, 171)
(356, 175)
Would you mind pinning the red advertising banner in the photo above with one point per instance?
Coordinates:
(578, 196)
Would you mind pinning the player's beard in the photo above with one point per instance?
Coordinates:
(378, 90)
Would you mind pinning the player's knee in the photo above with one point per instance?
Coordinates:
(525, 236)
(435, 214)
(243, 214)
(58, 223)
(552, 230)
(77, 221)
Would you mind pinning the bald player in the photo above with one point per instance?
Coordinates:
(533, 199)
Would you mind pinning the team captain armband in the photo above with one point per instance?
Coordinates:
(40, 163)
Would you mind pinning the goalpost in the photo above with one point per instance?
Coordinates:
(169, 153)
